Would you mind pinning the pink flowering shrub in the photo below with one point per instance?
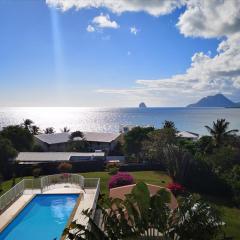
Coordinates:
(120, 179)
(176, 188)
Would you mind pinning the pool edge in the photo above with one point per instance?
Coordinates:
(17, 213)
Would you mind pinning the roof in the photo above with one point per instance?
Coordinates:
(54, 156)
(55, 138)
(186, 134)
(120, 192)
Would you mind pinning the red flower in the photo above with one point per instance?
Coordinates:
(176, 188)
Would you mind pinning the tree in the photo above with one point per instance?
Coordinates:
(7, 152)
(169, 125)
(77, 142)
(133, 141)
(78, 146)
(35, 130)
(177, 161)
(65, 129)
(49, 130)
(20, 137)
(76, 134)
(219, 131)
(27, 123)
(153, 148)
(142, 215)
(205, 144)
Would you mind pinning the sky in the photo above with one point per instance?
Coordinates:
(107, 53)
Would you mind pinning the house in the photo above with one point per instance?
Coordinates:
(58, 157)
(59, 142)
(188, 135)
(48, 162)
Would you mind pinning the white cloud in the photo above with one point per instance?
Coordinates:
(208, 73)
(153, 7)
(210, 18)
(134, 30)
(90, 28)
(104, 21)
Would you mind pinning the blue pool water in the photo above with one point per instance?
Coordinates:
(44, 218)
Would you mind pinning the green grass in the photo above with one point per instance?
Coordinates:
(231, 215)
(152, 177)
(8, 184)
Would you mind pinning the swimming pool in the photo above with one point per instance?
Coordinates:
(44, 218)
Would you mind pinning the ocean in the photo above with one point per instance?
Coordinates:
(110, 119)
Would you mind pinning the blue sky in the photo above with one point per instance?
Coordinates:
(48, 58)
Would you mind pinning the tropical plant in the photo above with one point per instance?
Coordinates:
(133, 141)
(35, 130)
(7, 152)
(153, 148)
(49, 130)
(77, 134)
(219, 131)
(65, 129)
(169, 125)
(21, 138)
(27, 123)
(144, 216)
(177, 162)
(120, 179)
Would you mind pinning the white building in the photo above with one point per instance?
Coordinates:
(188, 135)
(58, 142)
(58, 157)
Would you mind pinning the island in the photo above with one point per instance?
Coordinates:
(218, 100)
(142, 105)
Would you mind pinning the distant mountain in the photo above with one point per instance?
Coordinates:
(218, 100)
(142, 105)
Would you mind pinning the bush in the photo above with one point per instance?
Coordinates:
(36, 172)
(113, 170)
(120, 179)
(176, 188)
(64, 167)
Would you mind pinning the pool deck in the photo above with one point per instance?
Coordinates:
(86, 202)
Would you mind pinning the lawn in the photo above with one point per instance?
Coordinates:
(230, 214)
(152, 177)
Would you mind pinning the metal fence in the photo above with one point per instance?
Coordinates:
(48, 182)
(8, 197)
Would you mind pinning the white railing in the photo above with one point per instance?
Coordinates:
(48, 182)
(8, 197)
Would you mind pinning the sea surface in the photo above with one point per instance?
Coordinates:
(110, 119)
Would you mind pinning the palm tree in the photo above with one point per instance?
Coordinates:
(49, 130)
(142, 216)
(169, 125)
(27, 123)
(35, 130)
(76, 134)
(219, 131)
(65, 129)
